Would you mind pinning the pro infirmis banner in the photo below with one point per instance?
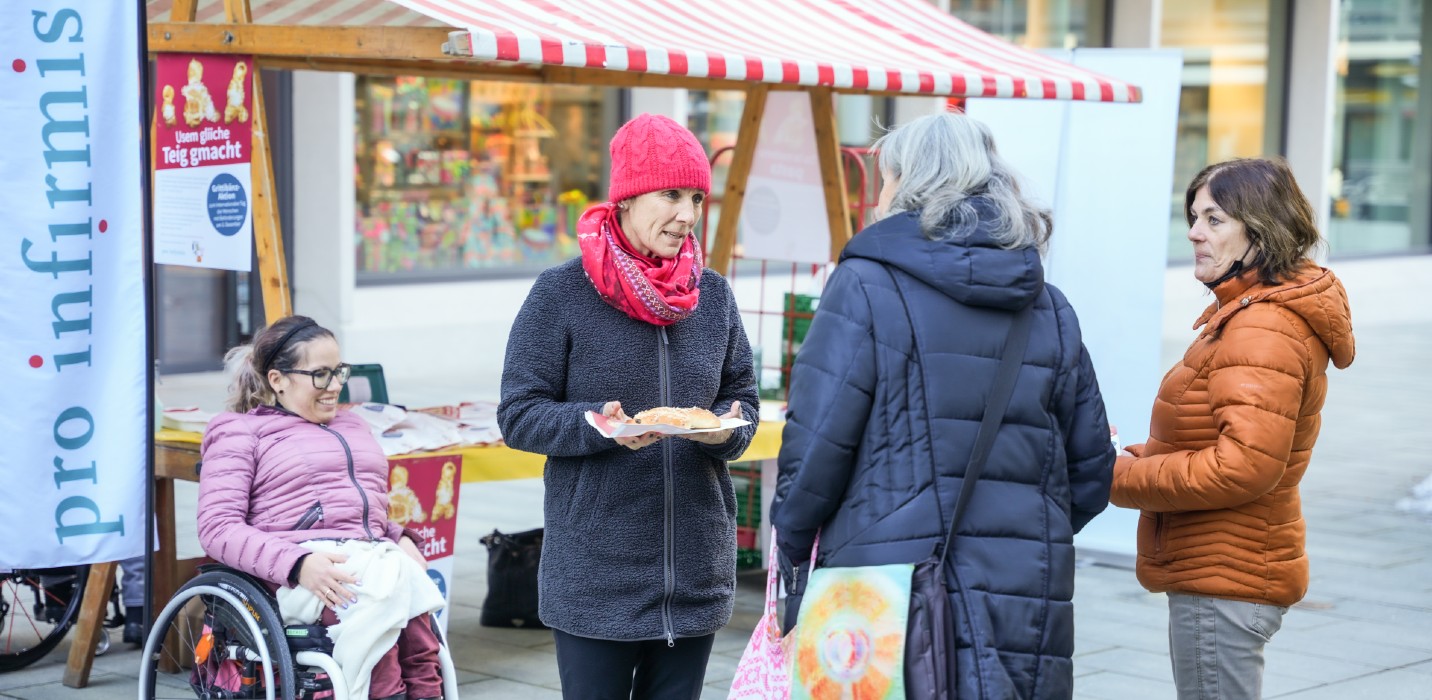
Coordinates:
(72, 284)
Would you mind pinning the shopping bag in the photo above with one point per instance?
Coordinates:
(512, 579)
(850, 636)
(764, 672)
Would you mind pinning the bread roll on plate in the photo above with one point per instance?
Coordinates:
(690, 418)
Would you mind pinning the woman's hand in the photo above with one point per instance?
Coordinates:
(410, 548)
(613, 410)
(319, 574)
(720, 436)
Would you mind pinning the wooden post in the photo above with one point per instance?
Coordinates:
(90, 625)
(832, 175)
(163, 575)
(268, 235)
(238, 12)
(724, 245)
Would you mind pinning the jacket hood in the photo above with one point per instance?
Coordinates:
(968, 267)
(1313, 293)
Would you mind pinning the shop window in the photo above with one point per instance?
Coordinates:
(715, 118)
(1376, 123)
(1037, 24)
(469, 179)
(1230, 102)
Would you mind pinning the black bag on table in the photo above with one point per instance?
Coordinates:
(512, 579)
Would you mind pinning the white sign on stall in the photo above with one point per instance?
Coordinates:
(783, 215)
(1106, 170)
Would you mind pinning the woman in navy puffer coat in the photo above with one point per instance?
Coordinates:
(885, 405)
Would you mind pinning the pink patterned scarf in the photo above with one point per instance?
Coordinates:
(656, 290)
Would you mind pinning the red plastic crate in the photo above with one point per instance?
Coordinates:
(746, 537)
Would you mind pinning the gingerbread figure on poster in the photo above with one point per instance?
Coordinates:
(198, 103)
(443, 507)
(235, 109)
(403, 504)
(167, 111)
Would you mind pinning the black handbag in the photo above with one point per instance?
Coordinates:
(512, 579)
(931, 630)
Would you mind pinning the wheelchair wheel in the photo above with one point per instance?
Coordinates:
(37, 607)
(226, 636)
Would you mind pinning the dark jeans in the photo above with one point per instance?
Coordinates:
(600, 669)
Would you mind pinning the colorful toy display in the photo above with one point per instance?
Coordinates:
(454, 176)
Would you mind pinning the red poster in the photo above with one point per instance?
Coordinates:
(203, 110)
(423, 495)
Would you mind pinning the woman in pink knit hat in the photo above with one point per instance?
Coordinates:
(638, 567)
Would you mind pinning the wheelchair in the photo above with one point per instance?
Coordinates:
(37, 609)
(221, 636)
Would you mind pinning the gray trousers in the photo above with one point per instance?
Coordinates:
(131, 587)
(1217, 646)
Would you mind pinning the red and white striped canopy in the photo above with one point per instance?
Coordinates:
(905, 46)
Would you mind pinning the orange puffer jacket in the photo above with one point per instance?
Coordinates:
(1231, 435)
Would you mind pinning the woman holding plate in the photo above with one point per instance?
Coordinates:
(638, 567)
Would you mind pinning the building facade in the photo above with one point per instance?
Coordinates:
(421, 209)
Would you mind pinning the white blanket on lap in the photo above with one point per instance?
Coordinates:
(395, 590)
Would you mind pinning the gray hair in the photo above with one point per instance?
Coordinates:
(939, 162)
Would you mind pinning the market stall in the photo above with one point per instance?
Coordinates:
(818, 47)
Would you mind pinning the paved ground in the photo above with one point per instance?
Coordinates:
(1364, 631)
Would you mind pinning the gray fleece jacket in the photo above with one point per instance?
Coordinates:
(638, 544)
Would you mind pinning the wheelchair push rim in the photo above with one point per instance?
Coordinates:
(35, 613)
(237, 623)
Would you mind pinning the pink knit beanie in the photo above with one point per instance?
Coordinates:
(651, 153)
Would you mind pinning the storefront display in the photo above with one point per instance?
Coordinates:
(1379, 115)
(454, 178)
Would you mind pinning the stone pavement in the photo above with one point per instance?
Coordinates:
(1364, 630)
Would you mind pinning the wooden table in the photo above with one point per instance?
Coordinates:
(176, 453)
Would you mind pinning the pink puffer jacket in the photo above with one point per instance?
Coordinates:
(270, 479)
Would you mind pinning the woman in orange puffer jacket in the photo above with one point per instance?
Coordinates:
(1233, 429)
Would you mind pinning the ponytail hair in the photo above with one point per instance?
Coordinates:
(276, 346)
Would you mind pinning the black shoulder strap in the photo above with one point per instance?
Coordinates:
(1014, 346)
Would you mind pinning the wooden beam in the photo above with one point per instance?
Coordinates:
(268, 234)
(832, 174)
(411, 51)
(723, 246)
(460, 70)
(90, 626)
(409, 43)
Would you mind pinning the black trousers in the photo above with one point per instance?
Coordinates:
(600, 669)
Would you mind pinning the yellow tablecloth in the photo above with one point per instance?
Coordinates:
(500, 463)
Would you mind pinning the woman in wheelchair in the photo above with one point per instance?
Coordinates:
(294, 492)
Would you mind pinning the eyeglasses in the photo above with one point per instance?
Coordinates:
(323, 376)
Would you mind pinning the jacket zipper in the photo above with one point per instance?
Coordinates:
(353, 476)
(310, 517)
(1158, 532)
(668, 550)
